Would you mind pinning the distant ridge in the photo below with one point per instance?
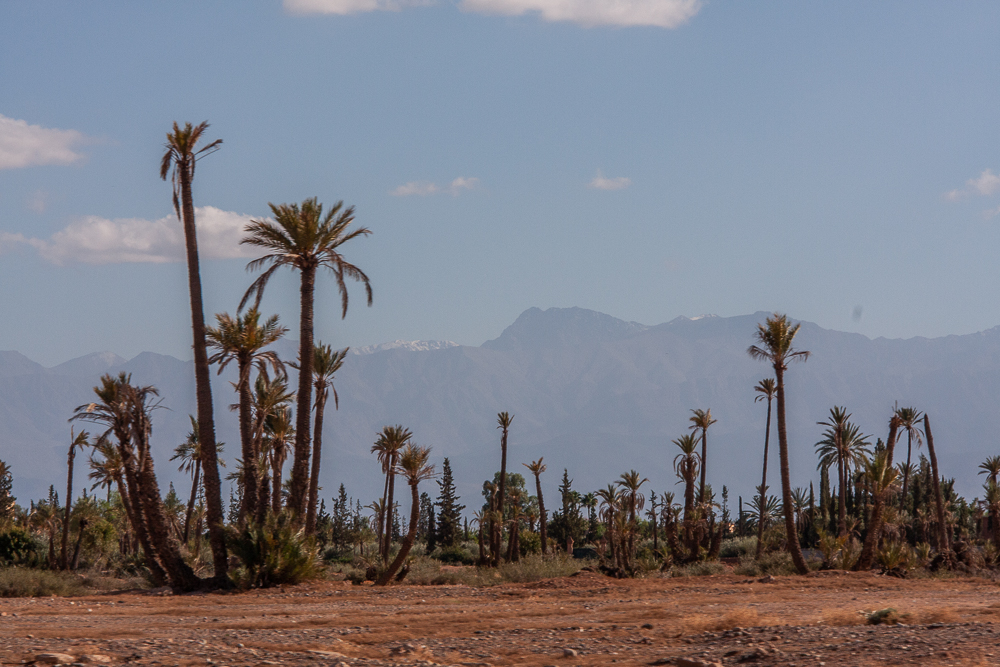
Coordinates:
(407, 345)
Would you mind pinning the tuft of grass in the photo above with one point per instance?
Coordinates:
(19, 582)
(699, 569)
(738, 547)
(743, 617)
(774, 563)
(887, 616)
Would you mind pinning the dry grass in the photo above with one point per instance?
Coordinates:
(742, 617)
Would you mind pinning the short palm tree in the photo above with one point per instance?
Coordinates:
(243, 339)
(387, 448)
(303, 239)
(774, 345)
(270, 396)
(414, 467)
(179, 161)
(504, 421)
(326, 363)
(279, 433)
(910, 418)
(880, 475)
(766, 390)
(991, 468)
(844, 445)
(537, 468)
(634, 502)
(701, 420)
(78, 441)
(686, 465)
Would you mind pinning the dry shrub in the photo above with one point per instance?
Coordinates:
(842, 617)
(939, 615)
(741, 617)
(19, 582)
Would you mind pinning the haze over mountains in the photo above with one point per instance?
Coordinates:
(589, 392)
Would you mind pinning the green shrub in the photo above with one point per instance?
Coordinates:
(272, 554)
(19, 582)
(17, 547)
(455, 556)
(738, 546)
(775, 562)
(529, 543)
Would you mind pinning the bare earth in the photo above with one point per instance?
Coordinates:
(727, 619)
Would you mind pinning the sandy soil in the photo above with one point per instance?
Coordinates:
(586, 619)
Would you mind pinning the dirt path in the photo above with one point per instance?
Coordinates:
(582, 620)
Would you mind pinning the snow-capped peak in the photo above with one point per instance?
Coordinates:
(408, 345)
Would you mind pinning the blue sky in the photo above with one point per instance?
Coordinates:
(643, 158)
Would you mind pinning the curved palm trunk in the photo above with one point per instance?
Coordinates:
(138, 519)
(763, 486)
(191, 501)
(206, 419)
(497, 538)
(411, 536)
(321, 396)
(542, 523)
(300, 463)
(704, 462)
(944, 544)
(251, 473)
(867, 556)
(64, 563)
(786, 483)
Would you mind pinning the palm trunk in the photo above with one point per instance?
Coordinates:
(408, 541)
(381, 517)
(251, 474)
(704, 462)
(321, 396)
(192, 500)
(276, 465)
(303, 443)
(944, 544)
(763, 486)
(389, 511)
(542, 523)
(906, 472)
(794, 548)
(867, 556)
(69, 505)
(206, 419)
(842, 495)
(502, 492)
(75, 564)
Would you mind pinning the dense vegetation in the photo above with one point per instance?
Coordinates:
(873, 509)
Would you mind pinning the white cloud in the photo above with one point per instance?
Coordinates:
(23, 145)
(95, 240)
(425, 188)
(985, 184)
(602, 183)
(350, 6)
(659, 13)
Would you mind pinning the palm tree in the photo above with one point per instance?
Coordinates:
(686, 466)
(909, 417)
(766, 389)
(844, 445)
(413, 466)
(504, 421)
(775, 346)
(611, 499)
(634, 501)
(279, 433)
(326, 363)
(387, 448)
(78, 441)
(992, 498)
(189, 453)
(537, 468)
(269, 396)
(944, 543)
(303, 239)
(242, 339)
(180, 159)
(702, 419)
(880, 475)
(990, 467)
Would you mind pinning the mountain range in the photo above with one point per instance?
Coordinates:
(590, 393)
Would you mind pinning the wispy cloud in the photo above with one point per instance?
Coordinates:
(425, 188)
(985, 184)
(659, 13)
(96, 240)
(350, 6)
(24, 145)
(602, 183)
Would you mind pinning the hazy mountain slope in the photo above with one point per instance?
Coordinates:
(589, 392)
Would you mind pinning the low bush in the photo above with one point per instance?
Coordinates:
(20, 582)
(272, 553)
(738, 546)
(699, 569)
(774, 563)
(17, 547)
(455, 556)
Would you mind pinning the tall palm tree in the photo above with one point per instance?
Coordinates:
(387, 448)
(179, 160)
(504, 421)
(991, 468)
(686, 465)
(611, 499)
(78, 441)
(774, 346)
(909, 417)
(944, 543)
(303, 239)
(844, 445)
(766, 390)
(243, 339)
(537, 468)
(634, 501)
(702, 419)
(414, 467)
(326, 363)
(189, 453)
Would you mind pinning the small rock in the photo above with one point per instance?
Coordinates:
(54, 658)
(647, 626)
(766, 580)
(95, 659)
(691, 662)
(569, 653)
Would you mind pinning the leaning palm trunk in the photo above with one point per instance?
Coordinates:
(69, 505)
(880, 488)
(314, 474)
(299, 483)
(193, 499)
(137, 516)
(944, 544)
(542, 523)
(763, 485)
(791, 530)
